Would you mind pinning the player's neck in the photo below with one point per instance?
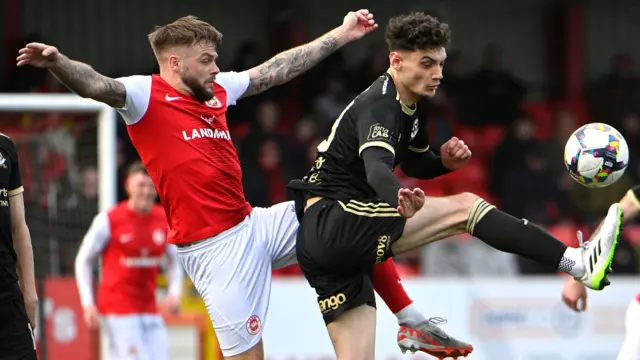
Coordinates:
(406, 96)
(132, 206)
(175, 82)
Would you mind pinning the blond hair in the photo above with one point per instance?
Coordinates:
(186, 31)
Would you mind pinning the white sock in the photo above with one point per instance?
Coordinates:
(572, 263)
(410, 316)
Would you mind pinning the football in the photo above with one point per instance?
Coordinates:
(596, 155)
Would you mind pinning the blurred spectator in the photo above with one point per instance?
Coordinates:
(530, 189)
(509, 155)
(265, 180)
(617, 92)
(331, 103)
(247, 56)
(266, 126)
(456, 86)
(565, 123)
(630, 128)
(498, 93)
(75, 213)
(305, 135)
(374, 64)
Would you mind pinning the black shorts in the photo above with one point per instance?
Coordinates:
(337, 246)
(17, 340)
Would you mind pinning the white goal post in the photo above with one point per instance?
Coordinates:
(107, 135)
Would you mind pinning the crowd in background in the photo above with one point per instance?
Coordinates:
(517, 144)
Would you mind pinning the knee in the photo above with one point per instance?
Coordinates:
(466, 201)
(471, 208)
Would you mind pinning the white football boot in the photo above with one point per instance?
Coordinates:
(598, 253)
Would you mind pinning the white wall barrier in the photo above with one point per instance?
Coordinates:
(505, 319)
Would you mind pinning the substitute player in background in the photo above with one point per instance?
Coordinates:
(574, 293)
(177, 122)
(18, 298)
(131, 241)
(355, 214)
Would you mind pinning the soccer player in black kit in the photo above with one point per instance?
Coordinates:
(354, 213)
(18, 299)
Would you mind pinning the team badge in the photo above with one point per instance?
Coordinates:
(3, 161)
(158, 237)
(254, 325)
(214, 103)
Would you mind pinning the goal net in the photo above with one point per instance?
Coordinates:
(67, 151)
(68, 161)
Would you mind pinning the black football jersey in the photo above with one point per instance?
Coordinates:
(376, 117)
(10, 185)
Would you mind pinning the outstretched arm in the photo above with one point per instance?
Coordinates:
(79, 77)
(83, 80)
(289, 64)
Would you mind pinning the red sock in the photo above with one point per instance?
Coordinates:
(386, 282)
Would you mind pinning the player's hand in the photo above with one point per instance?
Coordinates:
(31, 306)
(38, 55)
(455, 154)
(574, 295)
(171, 305)
(410, 201)
(91, 317)
(359, 23)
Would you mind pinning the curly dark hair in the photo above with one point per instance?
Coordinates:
(416, 31)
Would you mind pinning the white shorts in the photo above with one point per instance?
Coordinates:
(631, 346)
(136, 337)
(232, 273)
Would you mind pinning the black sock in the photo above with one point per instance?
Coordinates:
(506, 233)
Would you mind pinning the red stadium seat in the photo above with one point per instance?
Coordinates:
(239, 131)
(542, 115)
(566, 233)
(473, 174)
(469, 135)
(434, 188)
(579, 108)
(632, 234)
(492, 137)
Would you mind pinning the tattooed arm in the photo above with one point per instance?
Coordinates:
(83, 80)
(289, 64)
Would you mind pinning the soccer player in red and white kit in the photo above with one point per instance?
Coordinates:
(574, 293)
(177, 122)
(131, 240)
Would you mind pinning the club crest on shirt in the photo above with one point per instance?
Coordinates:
(214, 103)
(253, 325)
(158, 237)
(3, 161)
(414, 130)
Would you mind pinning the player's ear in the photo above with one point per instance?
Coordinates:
(395, 60)
(174, 62)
